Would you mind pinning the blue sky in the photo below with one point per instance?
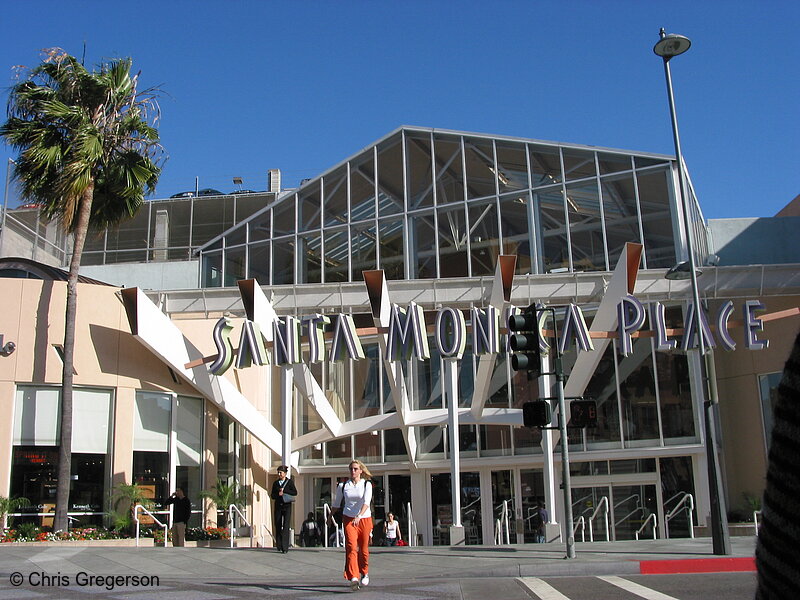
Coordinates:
(300, 86)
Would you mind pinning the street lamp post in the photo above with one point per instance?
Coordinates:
(668, 46)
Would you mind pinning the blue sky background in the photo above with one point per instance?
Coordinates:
(300, 86)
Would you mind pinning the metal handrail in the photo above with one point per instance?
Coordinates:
(630, 514)
(580, 522)
(653, 518)
(263, 537)
(152, 516)
(756, 514)
(603, 502)
(502, 525)
(412, 527)
(328, 513)
(686, 503)
(232, 508)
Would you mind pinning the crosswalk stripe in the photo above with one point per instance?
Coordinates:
(635, 588)
(544, 590)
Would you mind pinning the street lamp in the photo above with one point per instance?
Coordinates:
(668, 46)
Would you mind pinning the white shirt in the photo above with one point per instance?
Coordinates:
(356, 495)
(391, 530)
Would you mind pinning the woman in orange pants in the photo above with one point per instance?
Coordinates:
(354, 497)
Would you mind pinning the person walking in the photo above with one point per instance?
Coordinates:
(355, 496)
(283, 495)
(391, 531)
(181, 511)
(543, 518)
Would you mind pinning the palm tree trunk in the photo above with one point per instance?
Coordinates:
(64, 480)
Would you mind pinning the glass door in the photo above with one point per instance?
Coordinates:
(442, 508)
(532, 490)
(633, 505)
(503, 492)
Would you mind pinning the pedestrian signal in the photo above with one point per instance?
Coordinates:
(536, 413)
(583, 413)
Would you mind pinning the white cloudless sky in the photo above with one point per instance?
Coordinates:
(300, 86)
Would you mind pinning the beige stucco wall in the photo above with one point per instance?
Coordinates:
(107, 356)
(741, 418)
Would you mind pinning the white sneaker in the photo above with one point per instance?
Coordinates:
(354, 584)
(365, 580)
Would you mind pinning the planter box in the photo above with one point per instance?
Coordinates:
(125, 543)
(734, 529)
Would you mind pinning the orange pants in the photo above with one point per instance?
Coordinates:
(356, 547)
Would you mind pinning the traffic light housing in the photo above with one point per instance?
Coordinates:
(583, 413)
(536, 413)
(526, 354)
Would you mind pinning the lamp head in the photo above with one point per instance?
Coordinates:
(681, 272)
(671, 44)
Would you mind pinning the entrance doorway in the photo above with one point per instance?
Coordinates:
(442, 508)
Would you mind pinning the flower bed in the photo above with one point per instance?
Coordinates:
(193, 534)
(73, 535)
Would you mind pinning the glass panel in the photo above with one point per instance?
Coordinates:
(190, 480)
(259, 227)
(390, 178)
(283, 216)
(169, 229)
(283, 261)
(441, 508)
(259, 263)
(430, 442)
(234, 265)
(128, 237)
(498, 387)
(308, 207)
(339, 451)
(632, 505)
(585, 227)
(545, 165)
(468, 441)
(226, 448)
(390, 234)
(466, 376)
(37, 416)
(336, 251)
(471, 507)
(768, 392)
(677, 479)
(613, 163)
(335, 190)
(249, 204)
(638, 393)
(627, 467)
(659, 244)
(91, 416)
(362, 187)
(578, 164)
(236, 237)
(602, 388)
(495, 440)
(368, 446)
(674, 389)
(422, 244)
(481, 176)
(552, 223)
(449, 171)
(366, 397)
(364, 240)
(619, 206)
(337, 388)
(150, 471)
(503, 491)
(532, 483)
(151, 424)
(516, 231)
(212, 269)
(453, 242)
(484, 238)
(420, 178)
(189, 431)
(512, 166)
(395, 447)
(429, 382)
(310, 255)
(584, 502)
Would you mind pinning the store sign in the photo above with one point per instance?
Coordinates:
(407, 335)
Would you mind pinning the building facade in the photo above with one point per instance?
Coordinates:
(434, 211)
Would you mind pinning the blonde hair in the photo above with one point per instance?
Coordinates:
(364, 470)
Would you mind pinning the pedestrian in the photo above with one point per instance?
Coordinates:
(283, 495)
(309, 533)
(778, 548)
(354, 497)
(391, 531)
(181, 511)
(543, 519)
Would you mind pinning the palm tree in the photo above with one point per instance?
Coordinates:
(8, 505)
(88, 155)
(129, 494)
(223, 495)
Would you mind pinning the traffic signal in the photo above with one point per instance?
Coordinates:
(536, 413)
(583, 413)
(524, 342)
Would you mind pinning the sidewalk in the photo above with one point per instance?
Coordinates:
(402, 563)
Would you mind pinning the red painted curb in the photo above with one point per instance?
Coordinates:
(697, 565)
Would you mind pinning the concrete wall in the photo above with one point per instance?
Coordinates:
(173, 275)
(755, 241)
